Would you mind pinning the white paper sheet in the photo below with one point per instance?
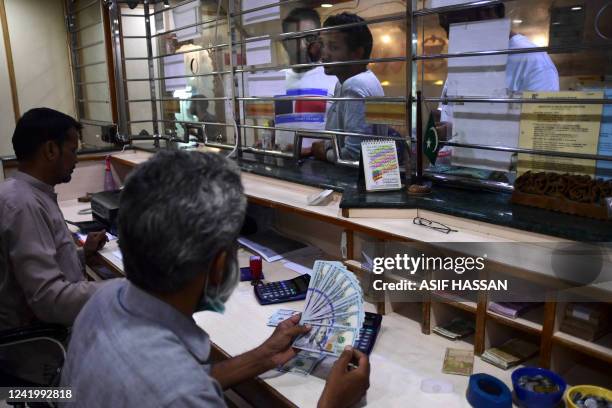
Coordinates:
(481, 123)
(174, 65)
(185, 15)
(478, 76)
(82, 237)
(270, 245)
(493, 124)
(270, 13)
(302, 270)
(267, 83)
(117, 254)
(258, 52)
(444, 3)
(302, 260)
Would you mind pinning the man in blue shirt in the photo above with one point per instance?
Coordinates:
(135, 343)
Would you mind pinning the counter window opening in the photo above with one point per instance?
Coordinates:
(262, 72)
(512, 87)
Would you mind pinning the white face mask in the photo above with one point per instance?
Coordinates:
(214, 298)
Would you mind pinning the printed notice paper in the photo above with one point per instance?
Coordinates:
(560, 128)
(444, 3)
(258, 16)
(187, 15)
(380, 165)
(258, 52)
(478, 76)
(267, 83)
(604, 167)
(485, 123)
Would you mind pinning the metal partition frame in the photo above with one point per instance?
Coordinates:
(411, 15)
(73, 31)
(123, 104)
(120, 61)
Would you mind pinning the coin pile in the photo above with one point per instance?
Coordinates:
(538, 383)
(590, 401)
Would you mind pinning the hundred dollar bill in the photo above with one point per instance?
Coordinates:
(326, 339)
(303, 363)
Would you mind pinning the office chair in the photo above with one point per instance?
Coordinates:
(42, 332)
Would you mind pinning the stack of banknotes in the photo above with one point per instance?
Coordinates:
(334, 309)
(457, 361)
(305, 361)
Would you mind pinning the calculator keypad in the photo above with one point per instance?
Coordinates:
(365, 337)
(367, 334)
(276, 290)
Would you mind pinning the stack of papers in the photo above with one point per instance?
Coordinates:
(512, 309)
(301, 260)
(511, 353)
(457, 329)
(334, 308)
(586, 321)
(83, 237)
(270, 245)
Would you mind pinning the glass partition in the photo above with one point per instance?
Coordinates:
(273, 73)
(297, 79)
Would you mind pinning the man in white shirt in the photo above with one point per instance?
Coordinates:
(353, 43)
(303, 81)
(532, 71)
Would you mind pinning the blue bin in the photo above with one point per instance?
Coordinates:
(486, 391)
(531, 399)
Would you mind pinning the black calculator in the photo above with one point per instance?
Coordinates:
(282, 291)
(369, 332)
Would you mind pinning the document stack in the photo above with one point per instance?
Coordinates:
(586, 321)
(511, 353)
(458, 328)
(512, 309)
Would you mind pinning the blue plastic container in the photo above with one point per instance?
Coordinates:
(531, 399)
(486, 391)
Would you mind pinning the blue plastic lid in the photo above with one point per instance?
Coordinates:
(486, 391)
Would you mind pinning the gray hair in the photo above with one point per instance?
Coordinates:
(177, 211)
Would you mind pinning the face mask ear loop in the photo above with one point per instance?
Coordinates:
(219, 285)
(205, 285)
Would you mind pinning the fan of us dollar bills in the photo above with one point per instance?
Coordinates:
(333, 307)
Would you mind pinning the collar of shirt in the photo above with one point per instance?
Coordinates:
(36, 183)
(140, 303)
